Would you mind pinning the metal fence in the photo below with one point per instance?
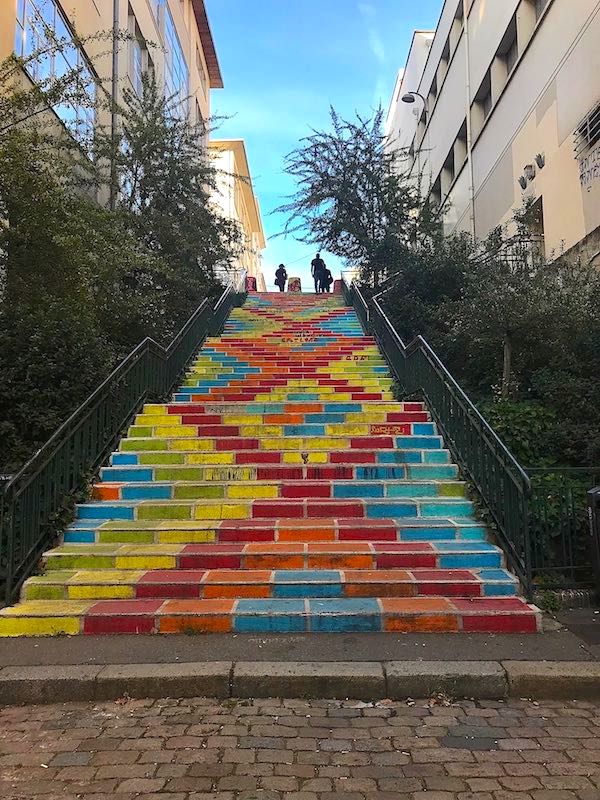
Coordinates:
(37, 501)
(561, 557)
(486, 461)
(540, 515)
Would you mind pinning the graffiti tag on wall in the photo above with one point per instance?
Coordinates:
(589, 168)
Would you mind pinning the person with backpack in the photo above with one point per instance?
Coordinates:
(326, 280)
(281, 277)
(317, 269)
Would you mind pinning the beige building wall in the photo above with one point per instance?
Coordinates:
(514, 83)
(148, 22)
(235, 197)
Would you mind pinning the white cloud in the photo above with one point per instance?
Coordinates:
(366, 9)
(369, 13)
(376, 45)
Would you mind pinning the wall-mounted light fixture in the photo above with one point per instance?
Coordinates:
(523, 182)
(540, 160)
(529, 172)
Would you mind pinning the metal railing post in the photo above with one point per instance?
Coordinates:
(593, 498)
(501, 482)
(29, 508)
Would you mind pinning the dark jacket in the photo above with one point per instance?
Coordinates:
(317, 267)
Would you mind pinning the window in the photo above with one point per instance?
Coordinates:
(540, 7)
(139, 58)
(422, 126)
(41, 29)
(137, 64)
(534, 223)
(156, 5)
(200, 123)
(435, 197)
(509, 48)
(176, 70)
(457, 27)
(483, 98)
(448, 174)
(460, 147)
(444, 61)
(433, 92)
(201, 72)
(446, 51)
(588, 132)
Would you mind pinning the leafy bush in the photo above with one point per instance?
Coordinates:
(80, 284)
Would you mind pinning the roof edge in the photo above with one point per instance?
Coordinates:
(208, 45)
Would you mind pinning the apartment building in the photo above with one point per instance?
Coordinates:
(506, 108)
(171, 37)
(235, 197)
(401, 123)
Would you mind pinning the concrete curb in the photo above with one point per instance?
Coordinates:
(485, 680)
(560, 680)
(397, 680)
(337, 679)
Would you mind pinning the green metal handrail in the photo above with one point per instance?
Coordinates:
(36, 501)
(501, 482)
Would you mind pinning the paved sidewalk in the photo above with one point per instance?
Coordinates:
(301, 750)
(558, 644)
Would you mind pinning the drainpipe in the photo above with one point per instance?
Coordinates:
(469, 126)
(114, 99)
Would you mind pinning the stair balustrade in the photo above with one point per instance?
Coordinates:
(501, 482)
(37, 501)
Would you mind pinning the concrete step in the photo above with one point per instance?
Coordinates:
(237, 583)
(232, 490)
(210, 406)
(410, 529)
(254, 554)
(324, 385)
(270, 615)
(188, 442)
(268, 507)
(330, 472)
(273, 396)
(417, 464)
(159, 427)
(174, 416)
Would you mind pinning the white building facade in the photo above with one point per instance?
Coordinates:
(234, 195)
(508, 110)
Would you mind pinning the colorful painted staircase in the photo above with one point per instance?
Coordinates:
(282, 490)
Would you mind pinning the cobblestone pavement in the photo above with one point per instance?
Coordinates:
(299, 750)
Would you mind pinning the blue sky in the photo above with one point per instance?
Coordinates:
(284, 62)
